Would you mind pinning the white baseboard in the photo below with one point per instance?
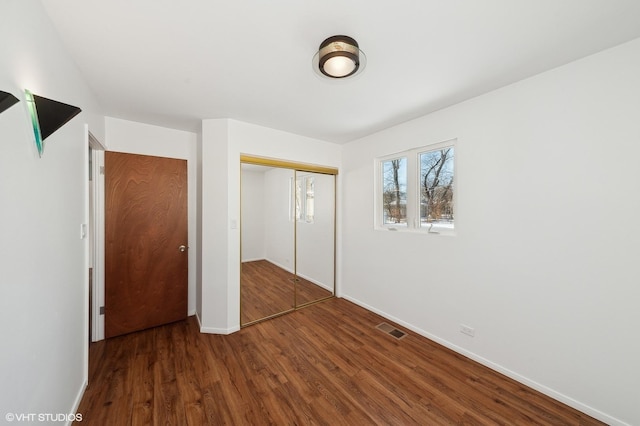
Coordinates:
(215, 330)
(318, 283)
(76, 403)
(279, 265)
(496, 367)
(252, 260)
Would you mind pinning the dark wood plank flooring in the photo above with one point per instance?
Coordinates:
(267, 289)
(326, 364)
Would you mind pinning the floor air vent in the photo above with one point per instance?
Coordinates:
(398, 334)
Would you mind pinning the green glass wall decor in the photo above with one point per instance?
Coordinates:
(47, 116)
(33, 115)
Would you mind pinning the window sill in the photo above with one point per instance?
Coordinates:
(448, 232)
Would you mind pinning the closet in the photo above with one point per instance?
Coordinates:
(287, 227)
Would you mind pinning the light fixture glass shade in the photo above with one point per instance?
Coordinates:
(339, 57)
(339, 66)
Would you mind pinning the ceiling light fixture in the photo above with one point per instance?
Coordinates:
(339, 56)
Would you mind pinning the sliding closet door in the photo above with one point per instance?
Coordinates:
(315, 236)
(287, 237)
(267, 244)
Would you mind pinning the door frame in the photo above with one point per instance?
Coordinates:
(96, 211)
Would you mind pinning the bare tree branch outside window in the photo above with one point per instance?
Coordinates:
(436, 186)
(394, 183)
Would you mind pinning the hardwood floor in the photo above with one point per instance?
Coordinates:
(326, 364)
(268, 289)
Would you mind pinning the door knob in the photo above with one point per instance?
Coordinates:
(182, 248)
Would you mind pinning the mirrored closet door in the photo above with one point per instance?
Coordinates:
(314, 236)
(287, 237)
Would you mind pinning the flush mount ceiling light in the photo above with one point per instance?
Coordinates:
(339, 56)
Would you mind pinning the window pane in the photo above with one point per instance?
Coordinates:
(394, 191)
(309, 199)
(303, 204)
(298, 199)
(436, 188)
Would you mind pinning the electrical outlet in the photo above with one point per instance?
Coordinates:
(469, 331)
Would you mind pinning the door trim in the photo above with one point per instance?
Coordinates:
(97, 211)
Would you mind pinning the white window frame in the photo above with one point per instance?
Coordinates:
(413, 191)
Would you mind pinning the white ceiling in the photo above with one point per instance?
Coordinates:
(174, 63)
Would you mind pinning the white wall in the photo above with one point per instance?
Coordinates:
(214, 311)
(145, 139)
(315, 240)
(43, 201)
(277, 221)
(199, 208)
(222, 143)
(544, 263)
(253, 215)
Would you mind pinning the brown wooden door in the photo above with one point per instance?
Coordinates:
(145, 226)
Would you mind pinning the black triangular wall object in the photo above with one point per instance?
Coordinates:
(6, 101)
(53, 114)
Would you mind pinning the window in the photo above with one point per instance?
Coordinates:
(309, 192)
(436, 188)
(394, 187)
(304, 199)
(416, 189)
